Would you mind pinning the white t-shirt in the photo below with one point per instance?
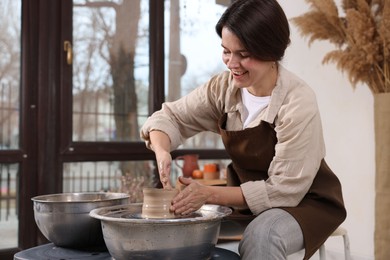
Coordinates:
(253, 105)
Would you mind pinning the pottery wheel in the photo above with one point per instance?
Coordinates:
(52, 252)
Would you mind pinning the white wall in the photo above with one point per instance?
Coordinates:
(348, 123)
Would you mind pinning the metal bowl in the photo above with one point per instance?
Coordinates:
(129, 236)
(64, 218)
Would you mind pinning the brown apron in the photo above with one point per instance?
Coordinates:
(319, 213)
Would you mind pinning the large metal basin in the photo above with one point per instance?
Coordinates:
(129, 236)
(64, 218)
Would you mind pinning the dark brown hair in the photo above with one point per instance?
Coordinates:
(260, 25)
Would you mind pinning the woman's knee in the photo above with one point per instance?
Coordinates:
(265, 229)
(271, 234)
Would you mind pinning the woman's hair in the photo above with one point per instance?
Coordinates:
(260, 25)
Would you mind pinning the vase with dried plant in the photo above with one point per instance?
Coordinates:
(360, 32)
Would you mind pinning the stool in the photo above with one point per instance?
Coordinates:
(340, 231)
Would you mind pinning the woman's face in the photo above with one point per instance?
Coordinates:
(247, 71)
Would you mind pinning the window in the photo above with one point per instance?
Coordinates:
(10, 23)
(193, 54)
(9, 179)
(111, 79)
(110, 69)
(10, 31)
(129, 177)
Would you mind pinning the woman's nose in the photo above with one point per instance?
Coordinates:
(233, 62)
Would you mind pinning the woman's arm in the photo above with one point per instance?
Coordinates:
(196, 112)
(160, 144)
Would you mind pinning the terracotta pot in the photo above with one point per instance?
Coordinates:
(210, 171)
(190, 163)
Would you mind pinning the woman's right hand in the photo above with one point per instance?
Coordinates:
(160, 144)
(164, 163)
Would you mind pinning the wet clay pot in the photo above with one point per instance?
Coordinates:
(157, 203)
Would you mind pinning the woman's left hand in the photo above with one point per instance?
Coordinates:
(191, 198)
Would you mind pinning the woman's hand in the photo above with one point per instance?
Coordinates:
(160, 144)
(191, 198)
(164, 163)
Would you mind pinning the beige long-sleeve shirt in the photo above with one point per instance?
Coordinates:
(292, 109)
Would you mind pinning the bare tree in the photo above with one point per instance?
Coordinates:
(115, 42)
(121, 42)
(9, 70)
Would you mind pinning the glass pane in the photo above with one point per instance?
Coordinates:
(9, 180)
(193, 53)
(10, 27)
(129, 177)
(110, 69)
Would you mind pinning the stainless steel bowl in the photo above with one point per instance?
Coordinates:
(129, 236)
(64, 218)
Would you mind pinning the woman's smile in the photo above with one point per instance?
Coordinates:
(238, 74)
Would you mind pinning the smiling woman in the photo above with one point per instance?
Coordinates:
(277, 174)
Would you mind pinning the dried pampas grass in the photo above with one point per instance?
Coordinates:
(361, 36)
